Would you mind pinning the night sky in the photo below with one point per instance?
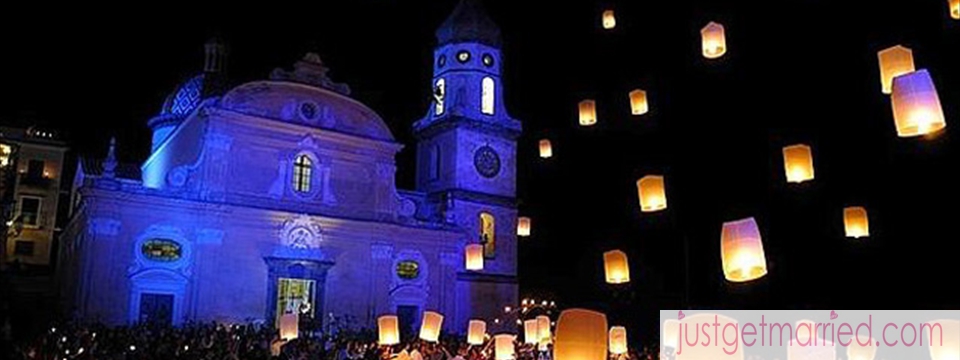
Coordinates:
(796, 71)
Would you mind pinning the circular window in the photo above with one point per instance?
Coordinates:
(442, 61)
(487, 161)
(162, 250)
(308, 110)
(408, 269)
(463, 56)
(487, 60)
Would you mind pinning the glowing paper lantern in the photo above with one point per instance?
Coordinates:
(546, 150)
(389, 330)
(741, 250)
(947, 347)
(615, 266)
(474, 254)
(955, 9)
(652, 193)
(523, 226)
(727, 329)
(714, 40)
(638, 102)
(609, 20)
(671, 334)
(289, 326)
(531, 331)
(476, 332)
(798, 163)
(856, 351)
(916, 105)
(855, 222)
(430, 328)
(618, 340)
(894, 61)
(543, 325)
(581, 335)
(503, 346)
(588, 113)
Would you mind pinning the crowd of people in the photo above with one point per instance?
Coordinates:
(210, 341)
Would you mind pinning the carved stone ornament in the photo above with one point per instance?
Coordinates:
(301, 232)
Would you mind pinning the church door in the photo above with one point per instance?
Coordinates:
(408, 317)
(156, 309)
(295, 296)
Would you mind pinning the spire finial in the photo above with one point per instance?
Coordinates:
(216, 55)
(110, 163)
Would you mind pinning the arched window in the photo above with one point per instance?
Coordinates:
(302, 171)
(488, 235)
(435, 162)
(439, 92)
(486, 102)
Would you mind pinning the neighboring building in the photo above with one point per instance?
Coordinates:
(35, 193)
(279, 196)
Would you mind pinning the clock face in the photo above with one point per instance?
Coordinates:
(487, 161)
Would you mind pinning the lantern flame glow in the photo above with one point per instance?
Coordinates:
(894, 61)
(741, 250)
(609, 20)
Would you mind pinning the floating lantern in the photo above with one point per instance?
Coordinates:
(727, 328)
(741, 250)
(671, 334)
(474, 254)
(947, 347)
(618, 340)
(855, 222)
(503, 346)
(543, 325)
(916, 105)
(289, 326)
(856, 351)
(581, 335)
(653, 196)
(955, 9)
(430, 328)
(588, 113)
(894, 61)
(546, 150)
(714, 41)
(638, 102)
(476, 332)
(531, 331)
(615, 266)
(798, 163)
(389, 330)
(523, 226)
(609, 20)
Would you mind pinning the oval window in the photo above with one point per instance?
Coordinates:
(161, 250)
(408, 269)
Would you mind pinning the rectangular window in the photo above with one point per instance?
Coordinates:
(487, 96)
(295, 296)
(23, 247)
(30, 211)
(5, 152)
(35, 169)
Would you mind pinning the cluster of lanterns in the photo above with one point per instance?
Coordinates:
(913, 96)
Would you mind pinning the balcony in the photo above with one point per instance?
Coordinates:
(36, 181)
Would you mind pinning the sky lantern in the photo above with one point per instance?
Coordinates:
(671, 334)
(581, 335)
(916, 105)
(289, 326)
(798, 163)
(430, 328)
(894, 61)
(638, 102)
(855, 222)
(618, 340)
(652, 194)
(523, 226)
(474, 254)
(503, 346)
(714, 40)
(389, 327)
(546, 149)
(856, 351)
(543, 325)
(949, 348)
(741, 250)
(531, 331)
(476, 332)
(588, 113)
(955, 9)
(609, 20)
(616, 268)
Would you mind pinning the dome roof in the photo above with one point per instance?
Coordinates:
(182, 101)
(306, 104)
(469, 23)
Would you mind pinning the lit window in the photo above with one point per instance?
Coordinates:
(463, 56)
(438, 94)
(161, 250)
(30, 211)
(408, 269)
(302, 170)
(486, 104)
(488, 234)
(5, 152)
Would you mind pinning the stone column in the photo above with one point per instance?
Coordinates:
(381, 255)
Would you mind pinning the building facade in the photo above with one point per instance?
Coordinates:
(32, 162)
(278, 195)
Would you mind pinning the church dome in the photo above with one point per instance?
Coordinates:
(182, 101)
(469, 23)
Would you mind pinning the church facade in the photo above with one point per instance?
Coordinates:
(278, 195)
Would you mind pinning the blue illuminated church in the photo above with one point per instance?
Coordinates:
(278, 195)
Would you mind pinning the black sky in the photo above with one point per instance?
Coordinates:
(796, 71)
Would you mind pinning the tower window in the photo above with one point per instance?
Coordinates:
(488, 234)
(442, 61)
(302, 171)
(487, 60)
(463, 56)
(439, 91)
(486, 104)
